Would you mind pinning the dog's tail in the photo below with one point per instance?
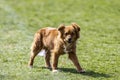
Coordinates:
(37, 44)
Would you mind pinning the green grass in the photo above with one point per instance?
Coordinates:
(98, 49)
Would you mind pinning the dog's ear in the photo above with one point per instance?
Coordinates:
(77, 29)
(61, 27)
(61, 30)
(76, 26)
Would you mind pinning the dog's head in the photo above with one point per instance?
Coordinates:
(69, 33)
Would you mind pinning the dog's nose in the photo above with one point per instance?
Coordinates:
(69, 40)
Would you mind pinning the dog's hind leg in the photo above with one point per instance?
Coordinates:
(47, 60)
(32, 56)
(35, 49)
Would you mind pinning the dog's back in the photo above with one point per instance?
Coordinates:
(47, 37)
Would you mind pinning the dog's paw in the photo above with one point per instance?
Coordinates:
(48, 66)
(81, 71)
(55, 71)
(30, 67)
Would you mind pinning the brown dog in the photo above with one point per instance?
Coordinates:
(56, 42)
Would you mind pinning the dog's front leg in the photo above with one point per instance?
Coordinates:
(55, 57)
(74, 59)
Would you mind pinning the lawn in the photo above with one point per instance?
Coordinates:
(98, 49)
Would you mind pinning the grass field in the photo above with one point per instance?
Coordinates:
(98, 49)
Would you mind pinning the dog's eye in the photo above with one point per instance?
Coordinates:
(66, 33)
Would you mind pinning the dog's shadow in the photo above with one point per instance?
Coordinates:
(87, 73)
